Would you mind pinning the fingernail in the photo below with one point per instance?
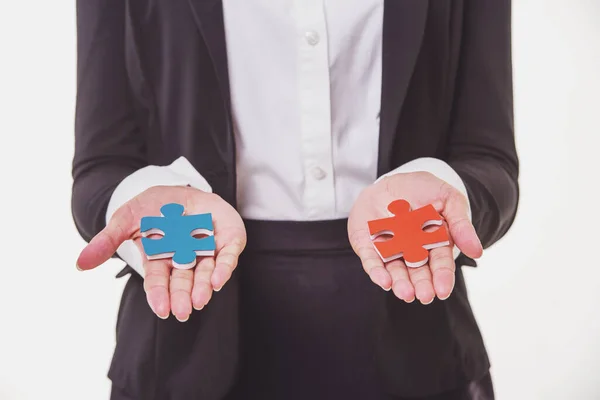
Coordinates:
(218, 290)
(384, 287)
(411, 300)
(78, 268)
(198, 309)
(480, 245)
(183, 320)
(444, 298)
(165, 315)
(430, 301)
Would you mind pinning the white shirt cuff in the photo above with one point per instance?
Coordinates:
(179, 173)
(440, 169)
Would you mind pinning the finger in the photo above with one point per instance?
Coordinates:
(461, 229)
(202, 290)
(105, 244)
(442, 266)
(182, 281)
(227, 259)
(180, 288)
(371, 262)
(156, 284)
(401, 284)
(421, 281)
(374, 267)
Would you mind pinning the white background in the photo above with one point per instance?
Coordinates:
(536, 295)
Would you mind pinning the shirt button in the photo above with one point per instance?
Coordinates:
(312, 38)
(318, 173)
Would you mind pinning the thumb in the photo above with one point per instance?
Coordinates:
(105, 244)
(456, 214)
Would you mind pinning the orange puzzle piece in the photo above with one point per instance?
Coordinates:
(409, 240)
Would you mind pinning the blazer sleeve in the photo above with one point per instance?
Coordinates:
(481, 141)
(109, 145)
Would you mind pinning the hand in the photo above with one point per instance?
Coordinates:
(169, 289)
(419, 189)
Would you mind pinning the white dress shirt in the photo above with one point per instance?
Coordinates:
(305, 78)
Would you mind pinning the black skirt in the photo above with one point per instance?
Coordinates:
(307, 315)
(300, 319)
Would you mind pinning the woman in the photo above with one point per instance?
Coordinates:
(294, 123)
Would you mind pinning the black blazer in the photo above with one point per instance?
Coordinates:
(153, 85)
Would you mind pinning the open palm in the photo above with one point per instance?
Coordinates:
(170, 289)
(419, 189)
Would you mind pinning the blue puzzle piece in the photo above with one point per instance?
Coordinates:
(177, 231)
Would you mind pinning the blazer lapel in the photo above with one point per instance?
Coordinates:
(403, 28)
(209, 18)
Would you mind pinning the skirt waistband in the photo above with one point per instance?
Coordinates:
(289, 236)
